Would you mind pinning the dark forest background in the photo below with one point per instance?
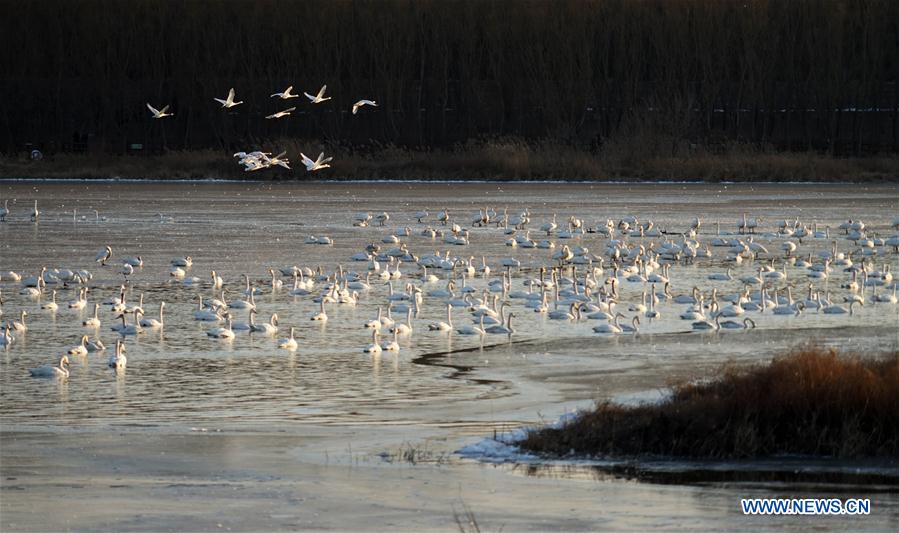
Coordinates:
(666, 76)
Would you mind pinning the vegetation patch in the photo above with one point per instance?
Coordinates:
(812, 401)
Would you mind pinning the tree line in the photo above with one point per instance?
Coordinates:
(792, 75)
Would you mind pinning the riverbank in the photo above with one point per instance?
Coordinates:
(810, 402)
(492, 160)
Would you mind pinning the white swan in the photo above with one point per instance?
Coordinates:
(730, 324)
(35, 214)
(504, 329)
(374, 347)
(94, 321)
(286, 94)
(392, 346)
(404, 329)
(318, 98)
(361, 103)
(284, 113)
(118, 360)
(472, 330)
(320, 163)
(269, 327)
(51, 305)
(79, 349)
(6, 338)
(228, 102)
(444, 326)
(321, 316)
(289, 343)
(153, 323)
(159, 113)
(222, 332)
(48, 371)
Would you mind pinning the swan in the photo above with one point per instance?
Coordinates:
(374, 347)
(289, 343)
(472, 330)
(221, 332)
(217, 281)
(79, 349)
(505, 329)
(404, 329)
(633, 328)
(94, 321)
(118, 360)
(206, 315)
(103, 255)
(276, 283)
(286, 94)
(35, 214)
(444, 326)
(705, 324)
(321, 316)
(249, 303)
(48, 371)
(81, 302)
(95, 346)
(153, 323)
(18, 325)
(51, 305)
(135, 261)
(611, 327)
(318, 98)
(269, 328)
(159, 113)
(186, 261)
(561, 314)
(320, 163)
(6, 339)
(279, 114)
(128, 329)
(839, 309)
(721, 277)
(361, 103)
(730, 324)
(392, 346)
(228, 102)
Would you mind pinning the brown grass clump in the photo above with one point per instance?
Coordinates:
(811, 402)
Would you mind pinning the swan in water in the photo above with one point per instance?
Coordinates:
(95, 346)
(222, 332)
(611, 327)
(372, 103)
(269, 327)
(633, 328)
(48, 371)
(103, 255)
(186, 261)
(159, 113)
(374, 347)
(6, 338)
(318, 98)
(79, 349)
(504, 329)
(286, 94)
(730, 324)
(392, 346)
(839, 309)
(706, 325)
(444, 326)
(94, 321)
(283, 113)
(321, 316)
(118, 360)
(51, 305)
(289, 343)
(35, 215)
(18, 325)
(404, 329)
(128, 329)
(153, 323)
(206, 315)
(228, 102)
(472, 330)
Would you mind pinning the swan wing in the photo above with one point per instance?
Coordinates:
(306, 160)
(231, 94)
(309, 96)
(356, 106)
(152, 109)
(219, 100)
(164, 109)
(321, 92)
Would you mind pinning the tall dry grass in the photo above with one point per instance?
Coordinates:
(812, 401)
(484, 159)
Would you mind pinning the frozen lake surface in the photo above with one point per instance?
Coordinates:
(330, 437)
